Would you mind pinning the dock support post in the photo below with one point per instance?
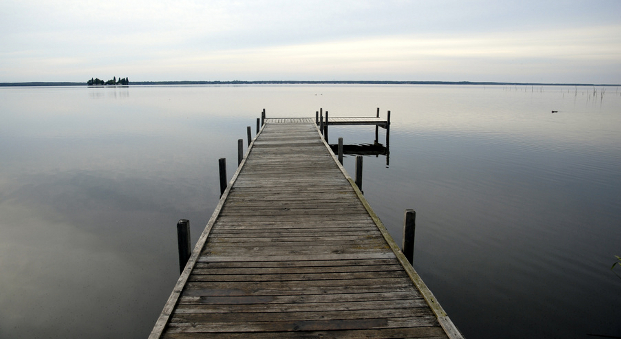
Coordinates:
(183, 243)
(359, 172)
(249, 132)
(376, 127)
(258, 126)
(222, 165)
(316, 117)
(388, 131)
(341, 150)
(409, 228)
(321, 121)
(263, 117)
(325, 133)
(240, 151)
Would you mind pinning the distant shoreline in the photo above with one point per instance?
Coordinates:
(293, 82)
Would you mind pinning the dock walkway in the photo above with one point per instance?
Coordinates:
(293, 250)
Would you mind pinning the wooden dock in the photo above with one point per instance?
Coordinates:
(293, 250)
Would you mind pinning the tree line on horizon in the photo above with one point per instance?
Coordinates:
(113, 81)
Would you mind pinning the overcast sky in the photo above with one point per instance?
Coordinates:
(521, 41)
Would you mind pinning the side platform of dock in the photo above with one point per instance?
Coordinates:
(293, 250)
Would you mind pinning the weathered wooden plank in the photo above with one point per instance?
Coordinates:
(296, 288)
(291, 218)
(287, 250)
(292, 316)
(292, 288)
(297, 263)
(303, 325)
(298, 277)
(293, 257)
(205, 269)
(283, 224)
(268, 232)
(410, 332)
(292, 246)
(300, 307)
(353, 239)
(297, 299)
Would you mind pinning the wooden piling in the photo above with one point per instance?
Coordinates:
(321, 121)
(316, 117)
(377, 127)
(325, 132)
(222, 167)
(340, 150)
(249, 132)
(388, 130)
(263, 117)
(258, 125)
(240, 151)
(183, 243)
(409, 228)
(359, 172)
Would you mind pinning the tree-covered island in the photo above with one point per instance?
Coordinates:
(97, 81)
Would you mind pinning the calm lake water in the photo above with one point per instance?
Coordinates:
(518, 209)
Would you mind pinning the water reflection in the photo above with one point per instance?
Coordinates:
(363, 149)
(517, 208)
(109, 92)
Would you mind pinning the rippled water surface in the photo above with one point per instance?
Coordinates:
(518, 208)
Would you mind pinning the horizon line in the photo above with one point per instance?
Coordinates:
(309, 82)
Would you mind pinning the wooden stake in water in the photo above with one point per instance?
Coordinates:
(222, 167)
(263, 117)
(240, 151)
(325, 132)
(377, 127)
(258, 124)
(341, 150)
(388, 131)
(409, 228)
(183, 243)
(249, 130)
(359, 172)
